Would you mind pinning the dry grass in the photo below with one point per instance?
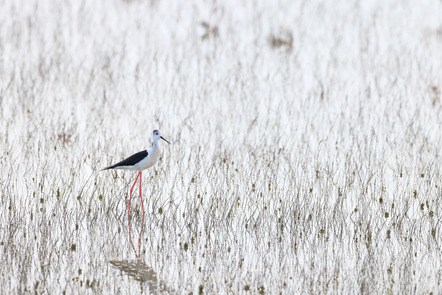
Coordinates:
(311, 168)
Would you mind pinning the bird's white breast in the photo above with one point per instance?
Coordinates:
(150, 160)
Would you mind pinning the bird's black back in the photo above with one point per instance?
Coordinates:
(132, 160)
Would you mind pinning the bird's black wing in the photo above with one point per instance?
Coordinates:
(132, 160)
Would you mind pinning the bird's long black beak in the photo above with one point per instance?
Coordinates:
(164, 139)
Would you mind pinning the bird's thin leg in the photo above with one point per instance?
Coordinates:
(128, 212)
(142, 222)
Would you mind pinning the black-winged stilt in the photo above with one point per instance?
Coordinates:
(139, 162)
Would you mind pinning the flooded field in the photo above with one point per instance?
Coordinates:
(305, 155)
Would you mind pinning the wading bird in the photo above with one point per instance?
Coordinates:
(139, 162)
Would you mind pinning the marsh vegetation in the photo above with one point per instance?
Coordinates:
(305, 156)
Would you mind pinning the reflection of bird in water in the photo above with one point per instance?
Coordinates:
(140, 271)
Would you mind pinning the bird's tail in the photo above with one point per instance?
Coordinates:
(107, 168)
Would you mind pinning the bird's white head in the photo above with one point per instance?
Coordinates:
(156, 134)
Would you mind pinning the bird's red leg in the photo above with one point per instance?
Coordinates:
(128, 212)
(142, 222)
